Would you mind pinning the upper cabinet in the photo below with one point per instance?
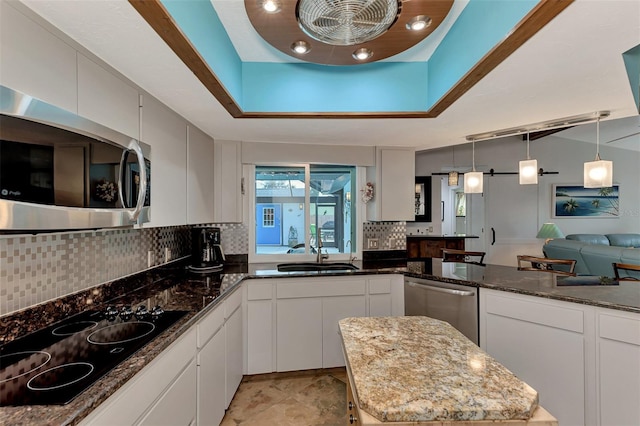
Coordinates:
(35, 62)
(166, 133)
(228, 182)
(105, 99)
(394, 183)
(199, 177)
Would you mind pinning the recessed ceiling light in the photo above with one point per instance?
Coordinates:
(301, 47)
(418, 23)
(362, 54)
(270, 6)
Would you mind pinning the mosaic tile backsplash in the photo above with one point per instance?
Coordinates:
(386, 232)
(38, 268)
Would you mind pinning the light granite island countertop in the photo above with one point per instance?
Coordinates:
(407, 370)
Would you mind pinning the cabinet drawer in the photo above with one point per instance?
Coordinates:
(260, 291)
(291, 289)
(380, 286)
(232, 302)
(138, 394)
(619, 328)
(546, 313)
(208, 326)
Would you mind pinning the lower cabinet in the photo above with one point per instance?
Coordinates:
(211, 380)
(333, 310)
(178, 405)
(299, 334)
(583, 361)
(234, 353)
(618, 358)
(542, 342)
(292, 323)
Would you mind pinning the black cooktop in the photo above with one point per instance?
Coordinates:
(55, 364)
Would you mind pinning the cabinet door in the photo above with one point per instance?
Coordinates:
(199, 177)
(228, 181)
(166, 133)
(333, 310)
(233, 332)
(260, 336)
(299, 334)
(178, 405)
(35, 62)
(541, 342)
(211, 380)
(105, 99)
(395, 191)
(619, 367)
(380, 305)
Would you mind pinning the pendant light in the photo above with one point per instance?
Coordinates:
(473, 180)
(453, 175)
(598, 173)
(528, 169)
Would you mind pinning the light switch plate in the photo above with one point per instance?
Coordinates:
(372, 243)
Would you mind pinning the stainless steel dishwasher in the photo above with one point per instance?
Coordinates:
(453, 303)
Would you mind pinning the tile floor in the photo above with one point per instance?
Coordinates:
(315, 397)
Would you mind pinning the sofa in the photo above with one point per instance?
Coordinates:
(595, 254)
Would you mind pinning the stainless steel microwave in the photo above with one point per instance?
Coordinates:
(60, 171)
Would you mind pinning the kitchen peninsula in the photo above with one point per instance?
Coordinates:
(407, 370)
(424, 248)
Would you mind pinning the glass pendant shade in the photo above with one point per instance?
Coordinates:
(598, 173)
(528, 172)
(473, 182)
(453, 178)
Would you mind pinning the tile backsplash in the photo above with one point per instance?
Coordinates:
(42, 267)
(387, 234)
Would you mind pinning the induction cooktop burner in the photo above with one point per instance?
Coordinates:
(55, 364)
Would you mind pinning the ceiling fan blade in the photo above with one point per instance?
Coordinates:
(624, 137)
(326, 21)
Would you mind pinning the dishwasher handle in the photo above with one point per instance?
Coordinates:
(441, 289)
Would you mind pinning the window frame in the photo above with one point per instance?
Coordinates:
(249, 171)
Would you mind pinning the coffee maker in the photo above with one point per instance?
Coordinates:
(206, 251)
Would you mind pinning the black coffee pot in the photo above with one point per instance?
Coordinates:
(206, 251)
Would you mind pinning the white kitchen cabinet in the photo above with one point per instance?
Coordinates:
(178, 405)
(200, 173)
(233, 345)
(132, 402)
(107, 100)
(166, 133)
(227, 182)
(543, 342)
(394, 179)
(299, 334)
(35, 62)
(380, 297)
(333, 310)
(211, 380)
(259, 326)
(618, 358)
(292, 324)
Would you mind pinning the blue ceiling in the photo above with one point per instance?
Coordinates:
(377, 87)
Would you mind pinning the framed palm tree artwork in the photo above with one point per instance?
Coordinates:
(578, 201)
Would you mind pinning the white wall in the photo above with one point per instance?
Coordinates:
(553, 154)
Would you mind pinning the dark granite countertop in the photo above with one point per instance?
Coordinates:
(173, 287)
(625, 296)
(441, 237)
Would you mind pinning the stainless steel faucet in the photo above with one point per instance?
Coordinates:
(320, 257)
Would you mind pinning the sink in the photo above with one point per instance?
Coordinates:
(313, 266)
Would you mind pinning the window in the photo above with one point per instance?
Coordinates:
(296, 205)
(268, 214)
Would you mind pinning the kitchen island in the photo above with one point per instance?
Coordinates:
(406, 370)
